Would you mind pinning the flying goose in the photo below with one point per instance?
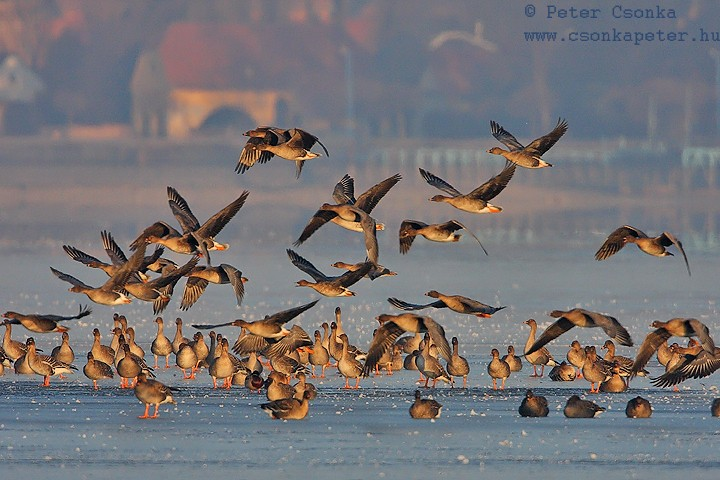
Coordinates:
(265, 142)
(344, 193)
(579, 317)
(678, 327)
(531, 155)
(456, 303)
(478, 200)
(324, 285)
(109, 293)
(655, 246)
(196, 238)
(44, 323)
(436, 232)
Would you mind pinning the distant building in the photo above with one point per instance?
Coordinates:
(228, 76)
(20, 88)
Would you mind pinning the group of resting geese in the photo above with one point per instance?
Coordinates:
(290, 351)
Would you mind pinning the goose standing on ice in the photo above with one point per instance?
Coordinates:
(541, 356)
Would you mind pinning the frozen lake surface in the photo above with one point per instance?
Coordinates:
(68, 431)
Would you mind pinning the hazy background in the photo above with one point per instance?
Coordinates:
(104, 103)
(401, 68)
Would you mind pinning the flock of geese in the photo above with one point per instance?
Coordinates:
(293, 353)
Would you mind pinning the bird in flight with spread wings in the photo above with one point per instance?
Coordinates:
(655, 246)
(530, 156)
(478, 200)
(579, 317)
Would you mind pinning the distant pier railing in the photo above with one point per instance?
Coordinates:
(705, 159)
(624, 165)
(426, 156)
(702, 157)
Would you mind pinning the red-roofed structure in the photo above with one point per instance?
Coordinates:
(198, 69)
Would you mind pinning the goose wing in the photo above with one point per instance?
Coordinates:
(370, 234)
(382, 341)
(454, 225)
(475, 306)
(616, 240)
(194, 288)
(693, 366)
(250, 155)
(206, 326)
(113, 250)
(353, 276)
(369, 199)
(407, 233)
(280, 318)
(236, 281)
(667, 239)
(320, 218)
(118, 258)
(248, 343)
(307, 140)
(295, 339)
(541, 145)
(397, 303)
(306, 266)
(157, 229)
(495, 185)
(439, 183)
(703, 334)
(217, 222)
(437, 334)
(83, 312)
(611, 326)
(126, 270)
(175, 275)
(69, 278)
(560, 326)
(504, 137)
(649, 346)
(82, 257)
(344, 191)
(151, 260)
(181, 211)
